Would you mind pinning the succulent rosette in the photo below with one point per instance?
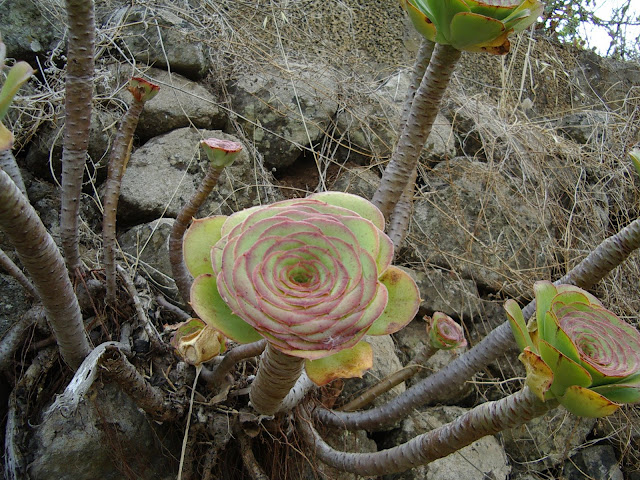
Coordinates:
(312, 276)
(444, 332)
(472, 25)
(577, 352)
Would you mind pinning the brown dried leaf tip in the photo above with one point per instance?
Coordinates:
(142, 90)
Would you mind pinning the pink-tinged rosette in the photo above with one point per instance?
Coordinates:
(313, 276)
(444, 332)
(578, 352)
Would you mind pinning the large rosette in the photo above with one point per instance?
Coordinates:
(312, 276)
(578, 352)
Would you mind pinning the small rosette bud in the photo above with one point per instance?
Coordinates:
(577, 352)
(444, 332)
(142, 90)
(221, 153)
(472, 25)
(312, 276)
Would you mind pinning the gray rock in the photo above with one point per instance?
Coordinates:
(31, 27)
(163, 175)
(105, 433)
(370, 127)
(155, 35)
(357, 180)
(269, 103)
(441, 291)
(585, 126)
(148, 246)
(179, 103)
(14, 302)
(597, 462)
(484, 458)
(472, 221)
(547, 441)
(385, 362)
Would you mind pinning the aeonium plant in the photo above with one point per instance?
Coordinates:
(312, 276)
(472, 25)
(577, 352)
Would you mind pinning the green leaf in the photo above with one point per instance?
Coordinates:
(469, 29)
(421, 22)
(544, 292)
(566, 372)
(402, 305)
(635, 158)
(347, 363)
(619, 393)
(518, 326)
(18, 74)
(197, 242)
(443, 12)
(356, 204)
(586, 403)
(210, 307)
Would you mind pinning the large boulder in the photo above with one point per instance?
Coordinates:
(475, 222)
(284, 110)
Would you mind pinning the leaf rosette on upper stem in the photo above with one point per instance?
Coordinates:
(313, 276)
(472, 25)
(577, 352)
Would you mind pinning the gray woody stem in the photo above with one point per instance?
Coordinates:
(41, 258)
(119, 154)
(608, 255)
(78, 97)
(399, 221)
(486, 419)
(180, 273)
(277, 374)
(9, 165)
(423, 112)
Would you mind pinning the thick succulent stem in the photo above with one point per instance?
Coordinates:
(42, 260)
(9, 165)
(416, 131)
(608, 255)
(417, 74)
(117, 158)
(401, 216)
(277, 374)
(486, 419)
(179, 270)
(78, 96)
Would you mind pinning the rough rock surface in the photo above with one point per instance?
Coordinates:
(474, 222)
(103, 438)
(14, 303)
(284, 110)
(546, 441)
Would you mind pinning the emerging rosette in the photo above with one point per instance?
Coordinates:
(472, 25)
(312, 276)
(444, 332)
(577, 352)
